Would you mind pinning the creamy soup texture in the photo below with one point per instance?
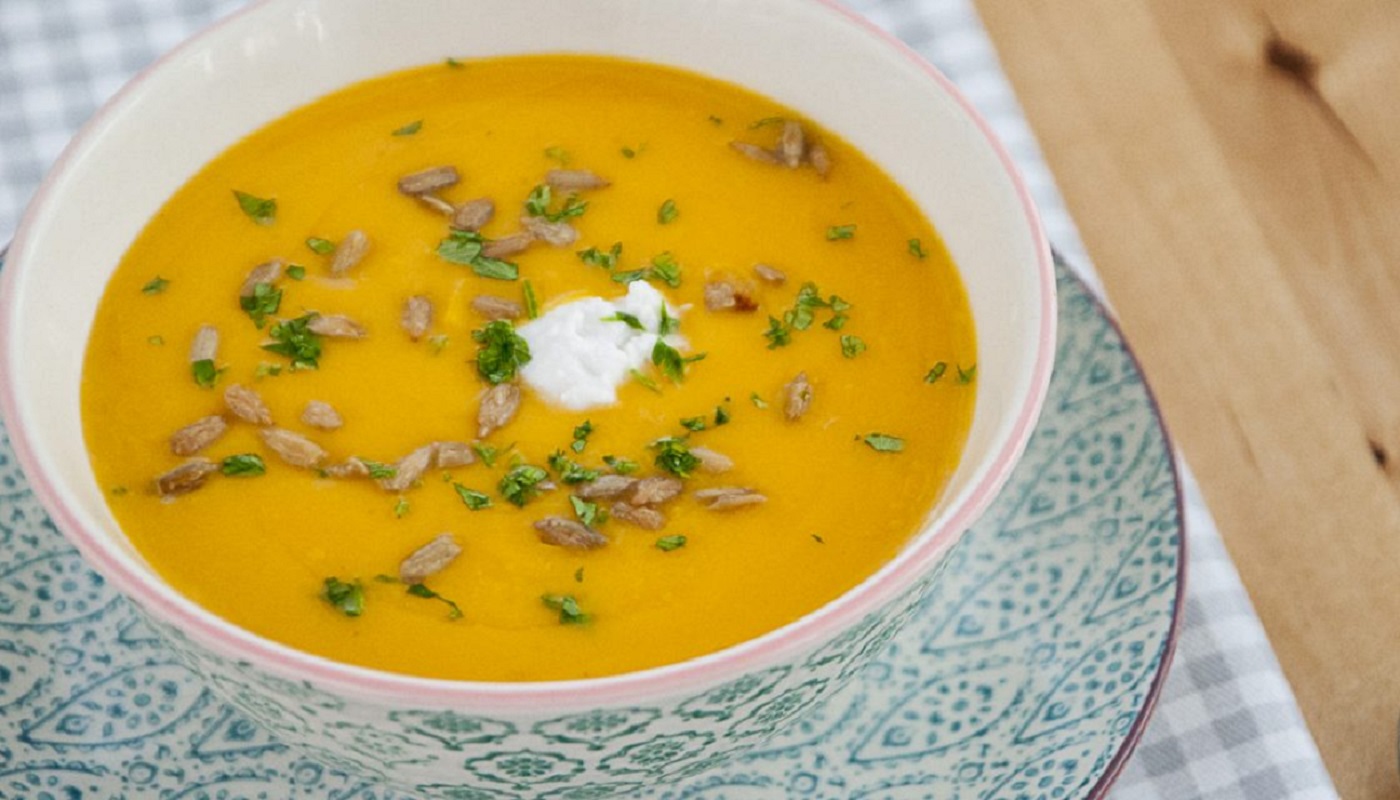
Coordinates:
(527, 369)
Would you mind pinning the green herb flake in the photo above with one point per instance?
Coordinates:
(668, 324)
(629, 320)
(437, 343)
(155, 340)
(495, 269)
(667, 213)
(453, 63)
(936, 373)
(586, 512)
(532, 303)
(645, 380)
(581, 434)
(693, 423)
(757, 400)
(378, 471)
(260, 210)
(265, 369)
(629, 276)
(620, 465)
(155, 285)
(852, 346)
(721, 416)
(464, 248)
(816, 537)
(569, 471)
(716, 120)
(597, 258)
(673, 456)
(670, 361)
(520, 485)
(319, 246)
(664, 268)
(293, 339)
(245, 465)
(669, 543)
(836, 323)
(486, 453)
(401, 508)
(966, 376)
(628, 152)
(205, 373)
(778, 334)
(502, 353)
(578, 575)
(119, 491)
(559, 154)
(838, 232)
(537, 204)
(262, 303)
(568, 608)
(347, 598)
(916, 249)
(409, 129)
(421, 590)
(296, 272)
(884, 443)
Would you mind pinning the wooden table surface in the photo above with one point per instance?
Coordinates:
(1234, 166)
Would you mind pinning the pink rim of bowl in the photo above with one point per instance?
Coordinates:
(371, 685)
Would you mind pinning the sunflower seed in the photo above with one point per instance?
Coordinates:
(707, 496)
(430, 559)
(351, 468)
(643, 517)
(575, 180)
(185, 478)
(247, 405)
(492, 307)
(206, 344)
(453, 454)
(266, 272)
(319, 414)
(508, 246)
(739, 499)
(349, 253)
(769, 274)
(728, 295)
(797, 397)
(792, 143)
(473, 214)
(498, 407)
(428, 180)
(336, 326)
(606, 487)
(416, 317)
(562, 532)
(654, 490)
(197, 435)
(292, 448)
(711, 461)
(437, 204)
(756, 153)
(556, 234)
(409, 469)
(819, 158)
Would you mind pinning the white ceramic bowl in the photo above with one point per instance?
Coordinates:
(452, 738)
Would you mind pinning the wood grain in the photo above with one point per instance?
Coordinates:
(1234, 167)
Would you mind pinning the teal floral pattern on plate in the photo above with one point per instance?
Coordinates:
(1023, 670)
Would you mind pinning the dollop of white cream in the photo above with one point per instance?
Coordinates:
(578, 357)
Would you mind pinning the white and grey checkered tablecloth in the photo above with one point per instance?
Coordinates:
(1227, 725)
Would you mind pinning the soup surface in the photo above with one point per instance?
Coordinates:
(279, 528)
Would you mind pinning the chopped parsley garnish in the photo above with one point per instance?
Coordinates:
(629, 320)
(586, 512)
(378, 471)
(936, 373)
(628, 152)
(120, 491)
(264, 369)
(487, 454)
(665, 269)
(645, 380)
(581, 434)
(620, 465)
(966, 376)
(245, 465)
(263, 302)
(803, 313)
(260, 210)
(155, 285)
(521, 484)
(420, 590)
(675, 457)
(532, 303)
(569, 471)
(721, 416)
(296, 272)
(558, 154)
(464, 247)
(668, 324)
(916, 249)
(471, 498)
(409, 129)
(668, 212)
(453, 63)
(852, 346)
(816, 537)
(578, 575)
(401, 508)
(778, 334)
(757, 400)
(156, 340)
(541, 197)
(716, 120)
(347, 598)
(319, 246)
(205, 373)
(502, 353)
(567, 606)
(693, 423)
(884, 443)
(671, 362)
(438, 343)
(629, 276)
(669, 543)
(597, 258)
(293, 339)
(839, 232)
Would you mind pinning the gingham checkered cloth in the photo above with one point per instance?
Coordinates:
(1227, 725)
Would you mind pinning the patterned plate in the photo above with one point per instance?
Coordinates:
(1028, 673)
